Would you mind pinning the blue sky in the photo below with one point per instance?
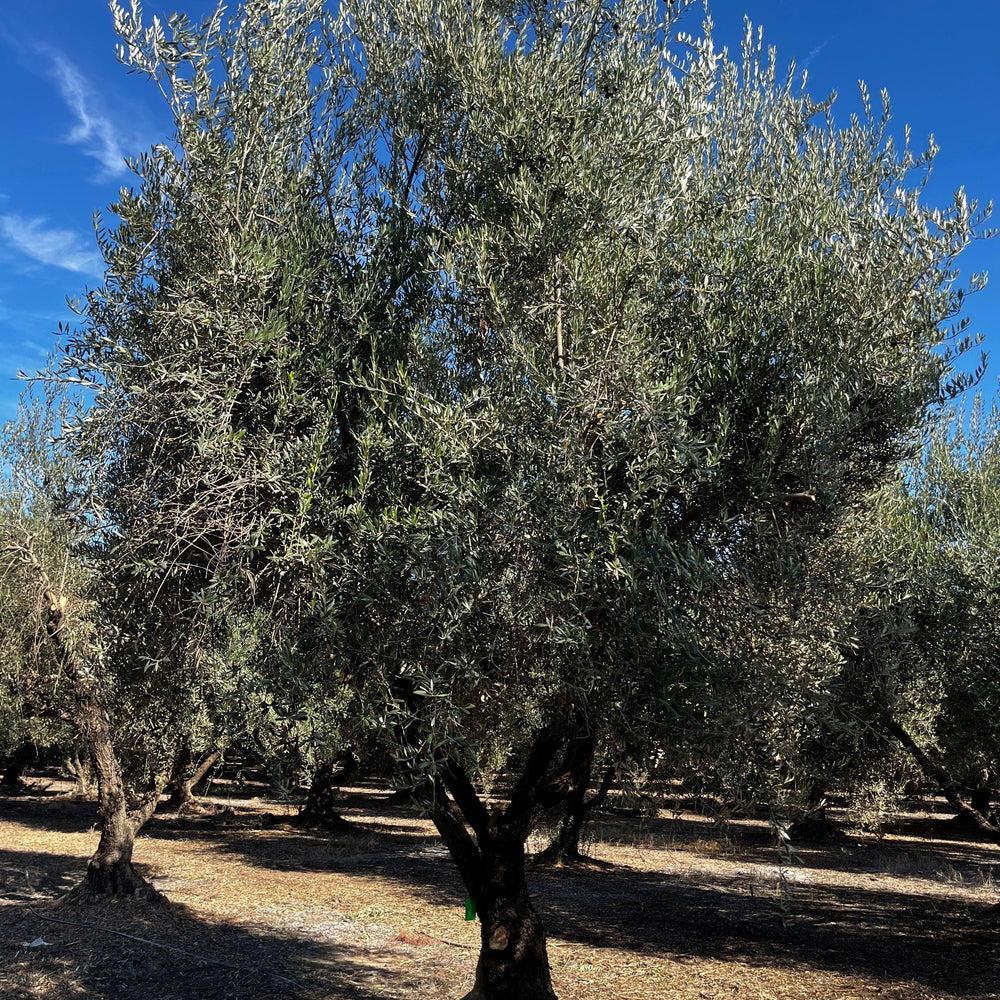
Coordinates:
(76, 114)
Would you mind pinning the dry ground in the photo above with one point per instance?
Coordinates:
(675, 909)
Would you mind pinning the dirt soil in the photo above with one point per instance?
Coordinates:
(674, 906)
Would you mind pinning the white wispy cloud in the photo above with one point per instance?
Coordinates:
(814, 52)
(94, 131)
(35, 349)
(53, 247)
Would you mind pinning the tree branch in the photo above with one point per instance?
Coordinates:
(461, 846)
(466, 797)
(804, 495)
(535, 788)
(948, 787)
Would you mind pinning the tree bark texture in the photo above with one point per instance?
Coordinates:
(565, 846)
(109, 871)
(513, 960)
(981, 799)
(180, 788)
(178, 791)
(82, 773)
(320, 807)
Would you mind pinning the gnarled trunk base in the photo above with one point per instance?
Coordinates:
(112, 877)
(816, 828)
(320, 809)
(82, 773)
(180, 788)
(513, 960)
(555, 856)
(565, 846)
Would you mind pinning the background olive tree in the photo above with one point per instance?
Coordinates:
(63, 657)
(897, 609)
(925, 632)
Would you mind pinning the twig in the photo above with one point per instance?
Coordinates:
(156, 944)
(456, 944)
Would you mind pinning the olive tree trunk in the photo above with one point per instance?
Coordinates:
(320, 809)
(981, 799)
(513, 959)
(82, 773)
(180, 787)
(14, 766)
(949, 788)
(109, 871)
(565, 846)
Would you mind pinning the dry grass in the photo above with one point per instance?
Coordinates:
(677, 908)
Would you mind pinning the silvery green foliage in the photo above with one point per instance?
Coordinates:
(890, 619)
(38, 486)
(901, 604)
(43, 537)
(932, 625)
(471, 338)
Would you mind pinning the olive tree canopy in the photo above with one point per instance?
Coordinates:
(467, 338)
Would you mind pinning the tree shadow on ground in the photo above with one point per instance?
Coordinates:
(60, 814)
(886, 935)
(304, 851)
(896, 933)
(900, 859)
(942, 828)
(213, 960)
(750, 916)
(889, 936)
(66, 814)
(912, 844)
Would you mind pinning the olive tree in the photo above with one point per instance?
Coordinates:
(468, 339)
(32, 711)
(81, 651)
(57, 650)
(959, 486)
(925, 630)
(899, 611)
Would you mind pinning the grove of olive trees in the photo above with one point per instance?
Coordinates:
(522, 389)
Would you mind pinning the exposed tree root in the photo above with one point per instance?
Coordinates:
(553, 859)
(104, 883)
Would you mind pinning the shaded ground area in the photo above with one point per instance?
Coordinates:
(258, 909)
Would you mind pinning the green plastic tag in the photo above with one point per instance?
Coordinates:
(470, 909)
